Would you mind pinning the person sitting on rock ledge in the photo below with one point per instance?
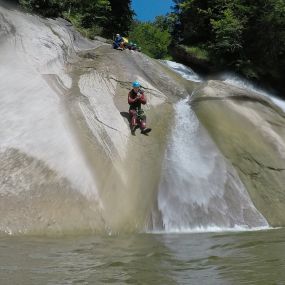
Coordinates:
(136, 97)
(118, 42)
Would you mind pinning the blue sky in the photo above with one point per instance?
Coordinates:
(147, 10)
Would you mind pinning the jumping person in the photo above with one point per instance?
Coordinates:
(136, 97)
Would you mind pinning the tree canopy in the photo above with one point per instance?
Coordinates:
(245, 35)
(112, 16)
(154, 38)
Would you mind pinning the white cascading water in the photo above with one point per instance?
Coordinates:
(185, 71)
(241, 83)
(199, 190)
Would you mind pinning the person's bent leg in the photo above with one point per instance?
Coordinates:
(133, 116)
(142, 124)
(133, 120)
(144, 129)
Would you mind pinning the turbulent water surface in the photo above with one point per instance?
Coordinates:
(205, 258)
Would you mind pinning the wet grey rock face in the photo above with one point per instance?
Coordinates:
(248, 129)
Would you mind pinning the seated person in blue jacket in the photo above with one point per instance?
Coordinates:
(118, 42)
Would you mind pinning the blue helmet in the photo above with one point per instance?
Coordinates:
(136, 84)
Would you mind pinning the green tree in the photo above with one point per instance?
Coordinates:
(248, 35)
(265, 36)
(227, 34)
(109, 16)
(94, 12)
(119, 19)
(193, 22)
(151, 39)
(47, 8)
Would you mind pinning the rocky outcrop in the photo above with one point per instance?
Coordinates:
(68, 155)
(65, 130)
(249, 130)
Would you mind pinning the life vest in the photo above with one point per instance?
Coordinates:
(125, 40)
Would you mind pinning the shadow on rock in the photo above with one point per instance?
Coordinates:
(126, 115)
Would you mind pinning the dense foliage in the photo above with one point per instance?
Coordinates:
(120, 18)
(49, 8)
(153, 38)
(106, 17)
(245, 35)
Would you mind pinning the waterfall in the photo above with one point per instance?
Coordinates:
(68, 162)
(199, 189)
(185, 71)
(242, 83)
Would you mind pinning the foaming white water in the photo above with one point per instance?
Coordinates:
(198, 189)
(184, 71)
(242, 83)
(213, 229)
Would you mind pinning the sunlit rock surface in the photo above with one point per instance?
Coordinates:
(70, 165)
(64, 131)
(249, 130)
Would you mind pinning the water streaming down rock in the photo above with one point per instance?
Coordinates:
(185, 71)
(246, 85)
(199, 189)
